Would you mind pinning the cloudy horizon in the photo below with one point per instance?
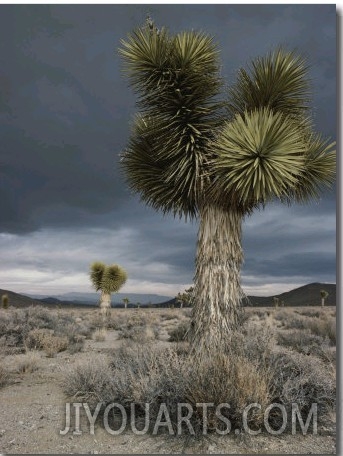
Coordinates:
(65, 113)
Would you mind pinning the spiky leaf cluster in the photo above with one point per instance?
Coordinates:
(184, 150)
(269, 149)
(107, 278)
(324, 294)
(176, 78)
(278, 81)
(260, 155)
(319, 169)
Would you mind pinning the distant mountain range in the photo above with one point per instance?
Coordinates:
(117, 298)
(307, 295)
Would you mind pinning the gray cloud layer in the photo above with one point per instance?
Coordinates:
(65, 111)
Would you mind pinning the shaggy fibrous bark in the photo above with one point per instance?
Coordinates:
(217, 292)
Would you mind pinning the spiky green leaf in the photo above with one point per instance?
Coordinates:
(319, 169)
(96, 274)
(113, 278)
(278, 81)
(167, 153)
(259, 156)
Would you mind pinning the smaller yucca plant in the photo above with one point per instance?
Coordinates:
(323, 294)
(276, 301)
(4, 301)
(107, 279)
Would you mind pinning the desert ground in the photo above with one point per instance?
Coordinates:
(44, 353)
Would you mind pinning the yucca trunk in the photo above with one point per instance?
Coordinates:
(105, 303)
(323, 302)
(217, 290)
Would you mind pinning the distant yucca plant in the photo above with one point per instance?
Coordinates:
(276, 301)
(4, 301)
(107, 279)
(323, 294)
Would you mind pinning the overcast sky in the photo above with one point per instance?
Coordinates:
(65, 111)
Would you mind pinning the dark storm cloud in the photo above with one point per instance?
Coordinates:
(65, 111)
(312, 264)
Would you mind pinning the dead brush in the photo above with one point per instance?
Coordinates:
(28, 362)
(138, 326)
(295, 322)
(324, 327)
(43, 339)
(180, 333)
(298, 339)
(248, 372)
(100, 335)
(232, 380)
(170, 315)
(4, 376)
(89, 381)
(303, 341)
(282, 314)
(298, 378)
(16, 324)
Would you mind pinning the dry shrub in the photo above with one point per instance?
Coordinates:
(303, 341)
(170, 315)
(28, 363)
(232, 379)
(4, 376)
(180, 333)
(100, 334)
(310, 312)
(151, 376)
(89, 381)
(260, 313)
(282, 314)
(40, 317)
(253, 343)
(299, 339)
(16, 324)
(138, 327)
(295, 322)
(324, 327)
(300, 379)
(35, 339)
(138, 375)
(76, 342)
(42, 339)
(248, 372)
(254, 318)
(54, 345)
(131, 320)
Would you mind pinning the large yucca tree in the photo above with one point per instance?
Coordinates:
(108, 279)
(198, 155)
